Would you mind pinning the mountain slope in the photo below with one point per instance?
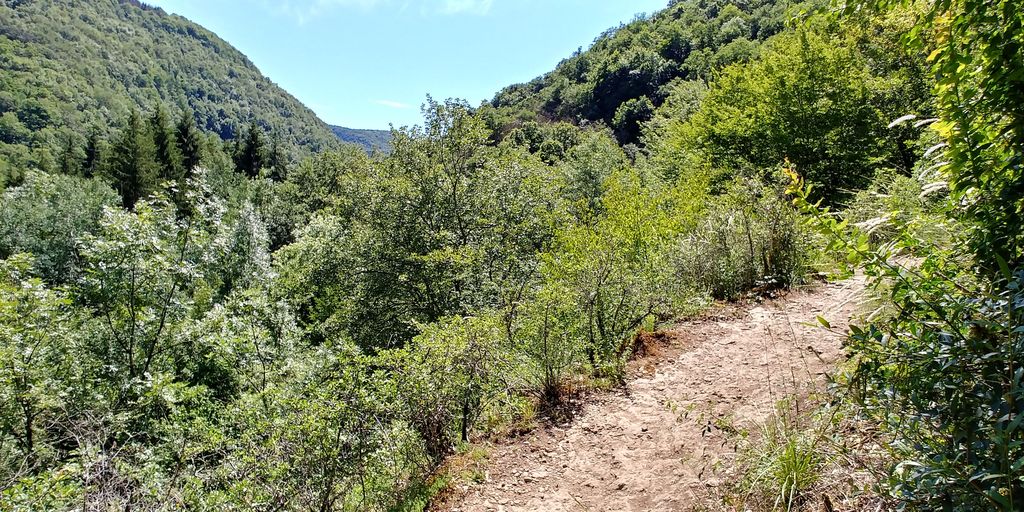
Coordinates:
(368, 139)
(66, 65)
(631, 69)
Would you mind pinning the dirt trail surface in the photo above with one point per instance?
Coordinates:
(667, 441)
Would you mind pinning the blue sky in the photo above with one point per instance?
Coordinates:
(368, 63)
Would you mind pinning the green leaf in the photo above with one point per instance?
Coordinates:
(824, 323)
(1003, 267)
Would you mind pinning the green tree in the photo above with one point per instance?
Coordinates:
(189, 143)
(93, 163)
(443, 226)
(140, 269)
(132, 163)
(71, 159)
(976, 58)
(811, 97)
(615, 270)
(251, 153)
(246, 256)
(630, 116)
(37, 362)
(940, 370)
(168, 158)
(277, 161)
(46, 215)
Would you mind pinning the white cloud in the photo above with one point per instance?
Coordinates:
(392, 104)
(469, 6)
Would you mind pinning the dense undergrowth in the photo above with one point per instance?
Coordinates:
(247, 334)
(934, 369)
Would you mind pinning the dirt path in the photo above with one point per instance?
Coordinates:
(665, 442)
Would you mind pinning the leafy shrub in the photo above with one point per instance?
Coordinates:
(36, 368)
(895, 204)
(747, 238)
(942, 378)
(46, 215)
(545, 332)
(614, 271)
(939, 372)
(445, 377)
(811, 97)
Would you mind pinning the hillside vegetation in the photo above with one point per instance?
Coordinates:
(189, 323)
(367, 139)
(67, 67)
(633, 69)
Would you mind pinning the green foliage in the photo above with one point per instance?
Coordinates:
(330, 179)
(974, 55)
(245, 248)
(36, 368)
(585, 170)
(46, 215)
(811, 97)
(253, 331)
(938, 371)
(251, 152)
(748, 238)
(133, 166)
(137, 270)
(168, 159)
(630, 69)
(92, 162)
(334, 444)
(615, 269)
(545, 333)
(938, 365)
(895, 204)
(447, 225)
(188, 144)
(369, 140)
(630, 116)
(445, 376)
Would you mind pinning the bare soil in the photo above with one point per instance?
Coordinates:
(668, 439)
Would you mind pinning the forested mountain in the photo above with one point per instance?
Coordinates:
(203, 321)
(68, 66)
(367, 139)
(632, 69)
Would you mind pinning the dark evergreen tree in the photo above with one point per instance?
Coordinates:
(93, 162)
(132, 161)
(276, 159)
(167, 158)
(250, 154)
(70, 161)
(187, 139)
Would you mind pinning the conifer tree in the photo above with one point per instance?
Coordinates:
(93, 162)
(250, 155)
(189, 146)
(70, 161)
(167, 158)
(276, 159)
(133, 162)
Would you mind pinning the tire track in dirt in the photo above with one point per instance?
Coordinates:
(666, 441)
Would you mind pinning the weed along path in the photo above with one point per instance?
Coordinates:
(668, 441)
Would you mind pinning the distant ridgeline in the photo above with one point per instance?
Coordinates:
(369, 139)
(67, 67)
(633, 69)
